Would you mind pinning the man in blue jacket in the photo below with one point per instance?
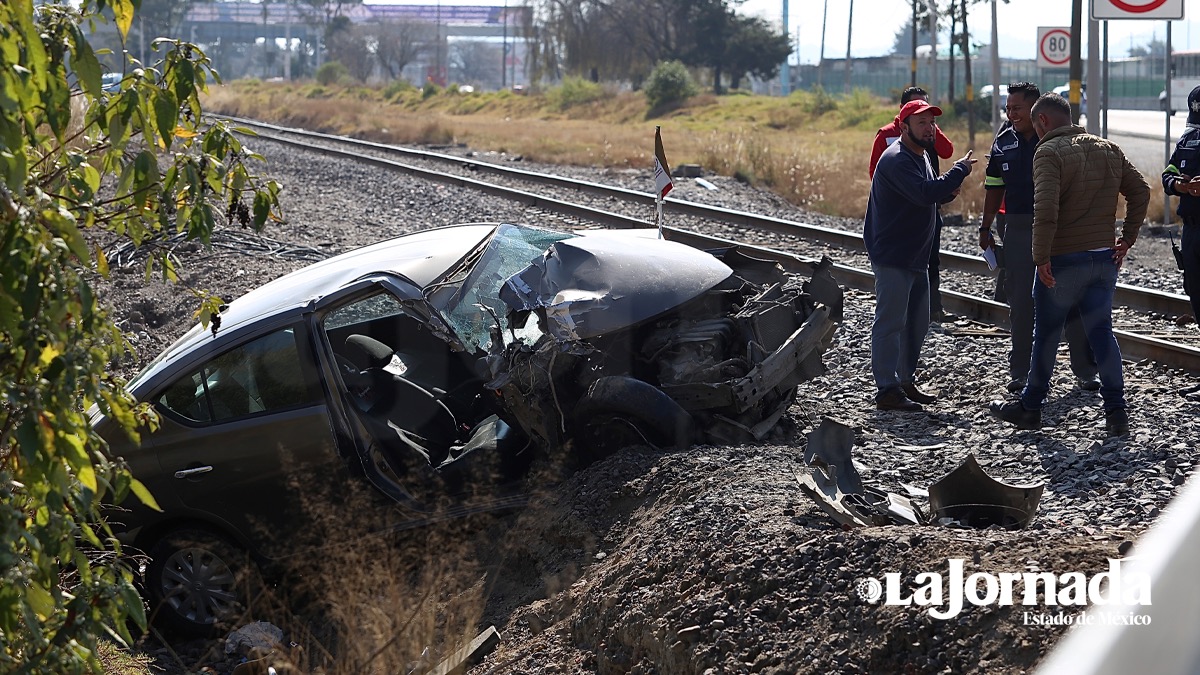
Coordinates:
(1182, 177)
(899, 232)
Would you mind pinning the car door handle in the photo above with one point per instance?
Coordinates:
(186, 473)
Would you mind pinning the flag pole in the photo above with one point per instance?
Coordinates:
(658, 216)
(662, 178)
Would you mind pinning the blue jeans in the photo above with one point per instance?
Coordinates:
(901, 321)
(1019, 276)
(1085, 280)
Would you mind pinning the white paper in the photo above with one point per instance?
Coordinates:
(989, 255)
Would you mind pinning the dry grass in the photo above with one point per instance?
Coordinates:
(812, 156)
(365, 600)
(810, 148)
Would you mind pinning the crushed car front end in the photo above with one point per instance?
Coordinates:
(618, 339)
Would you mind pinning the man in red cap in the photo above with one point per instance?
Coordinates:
(899, 232)
(890, 133)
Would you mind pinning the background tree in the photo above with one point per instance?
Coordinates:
(136, 164)
(755, 48)
(354, 47)
(399, 43)
(158, 18)
(1155, 48)
(902, 43)
(624, 39)
(475, 61)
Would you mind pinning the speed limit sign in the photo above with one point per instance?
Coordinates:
(1054, 47)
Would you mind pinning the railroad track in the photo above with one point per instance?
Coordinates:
(1144, 341)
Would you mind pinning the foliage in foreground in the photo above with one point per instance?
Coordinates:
(137, 163)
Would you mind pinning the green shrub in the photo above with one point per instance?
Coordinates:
(818, 101)
(574, 91)
(669, 82)
(858, 107)
(395, 89)
(331, 72)
(429, 90)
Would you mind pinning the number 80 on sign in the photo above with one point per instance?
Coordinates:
(1054, 47)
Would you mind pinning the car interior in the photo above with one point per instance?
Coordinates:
(417, 399)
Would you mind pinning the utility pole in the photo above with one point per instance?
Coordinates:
(504, 51)
(821, 61)
(287, 41)
(437, 66)
(849, 32)
(913, 80)
(784, 75)
(1104, 85)
(967, 78)
(1093, 77)
(1076, 58)
(1167, 139)
(933, 82)
(995, 72)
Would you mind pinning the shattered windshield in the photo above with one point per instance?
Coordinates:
(511, 249)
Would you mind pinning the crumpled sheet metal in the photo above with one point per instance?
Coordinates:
(830, 445)
(834, 483)
(972, 497)
(967, 495)
(590, 286)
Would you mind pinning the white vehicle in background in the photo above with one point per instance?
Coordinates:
(986, 92)
(1185, 76)
(1064, 90)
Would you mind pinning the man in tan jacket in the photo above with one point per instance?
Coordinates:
(1077, 178)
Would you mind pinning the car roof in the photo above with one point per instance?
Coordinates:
(421, 257)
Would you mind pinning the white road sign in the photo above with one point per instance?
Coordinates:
(1137, 9)
(1054, 47)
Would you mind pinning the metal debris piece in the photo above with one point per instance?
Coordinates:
(859, 509)
(967, 495)
(829, 445)
(835, 485)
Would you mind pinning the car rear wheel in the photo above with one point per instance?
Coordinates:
(196, 582)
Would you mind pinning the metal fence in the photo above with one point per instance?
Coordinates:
(1135, 82)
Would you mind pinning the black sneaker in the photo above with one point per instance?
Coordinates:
(1116, 423)
(894, 399)
(1088, 383)
(1016, 385)
(1015, 413)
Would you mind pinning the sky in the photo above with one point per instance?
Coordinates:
(876, 23)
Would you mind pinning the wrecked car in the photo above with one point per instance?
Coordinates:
(416, 361)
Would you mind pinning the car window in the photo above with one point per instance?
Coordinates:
(263, 375)
(379, 306)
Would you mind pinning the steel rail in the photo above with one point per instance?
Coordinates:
(1135, 297)
(1132, 345)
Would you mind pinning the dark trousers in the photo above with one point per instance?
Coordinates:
(1190, 248)
(1019, 275)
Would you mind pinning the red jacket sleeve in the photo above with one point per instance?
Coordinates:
(876, 151)
(943, 146)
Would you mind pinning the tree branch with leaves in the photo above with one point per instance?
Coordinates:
(140, 164)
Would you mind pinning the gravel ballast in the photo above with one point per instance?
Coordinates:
(711, 560)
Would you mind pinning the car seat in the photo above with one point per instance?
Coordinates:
(392, 404)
